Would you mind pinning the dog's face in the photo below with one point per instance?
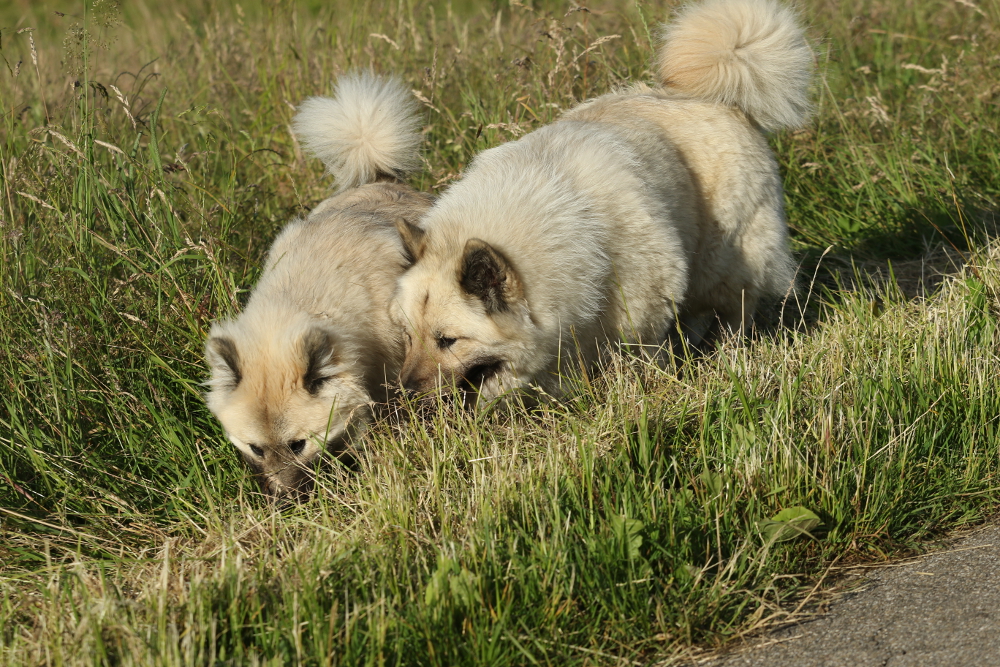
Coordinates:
(465, 317)
(284, 399)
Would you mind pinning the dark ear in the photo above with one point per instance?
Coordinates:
(319, 352)
(414, 239)
(224, 360)
(488, 275)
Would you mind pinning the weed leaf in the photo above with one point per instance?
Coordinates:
(451, 584)
(628, 533)
(788, 524)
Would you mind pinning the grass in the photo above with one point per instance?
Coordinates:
(146, 164)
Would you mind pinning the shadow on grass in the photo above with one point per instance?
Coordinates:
(907, 262)
(921, 233)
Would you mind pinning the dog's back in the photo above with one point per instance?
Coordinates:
(340, 264)
(728, 69)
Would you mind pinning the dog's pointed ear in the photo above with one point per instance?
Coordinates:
(319, 351)
(414, 239)
(224, 361)
(487, 275)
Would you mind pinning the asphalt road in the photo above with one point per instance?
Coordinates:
(937, 610)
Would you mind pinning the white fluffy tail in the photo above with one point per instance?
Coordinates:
(749, 54)
(369, 129)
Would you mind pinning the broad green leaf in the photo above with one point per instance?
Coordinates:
(788, 524)
(714, 482)
(452, 584)
(628, 533)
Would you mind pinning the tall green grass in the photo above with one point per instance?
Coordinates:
(146, 164)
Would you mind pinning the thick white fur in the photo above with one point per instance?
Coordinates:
(320, 308)
(632, 207)
(369, 128)
(749, 54)
(594, 228)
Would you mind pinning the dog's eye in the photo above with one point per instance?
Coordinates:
(257, 451)
(297, 446)
(444, 342)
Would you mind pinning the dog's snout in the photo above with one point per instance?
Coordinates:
(414, 385)
(277, 490)
(285, 479)
(269, 486)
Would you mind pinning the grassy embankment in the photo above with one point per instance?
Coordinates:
(146, 164)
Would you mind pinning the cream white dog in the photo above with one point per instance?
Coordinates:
(631, 209)
(295, 374)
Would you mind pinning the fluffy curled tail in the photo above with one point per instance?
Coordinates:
(750, 54)
(369, 129)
